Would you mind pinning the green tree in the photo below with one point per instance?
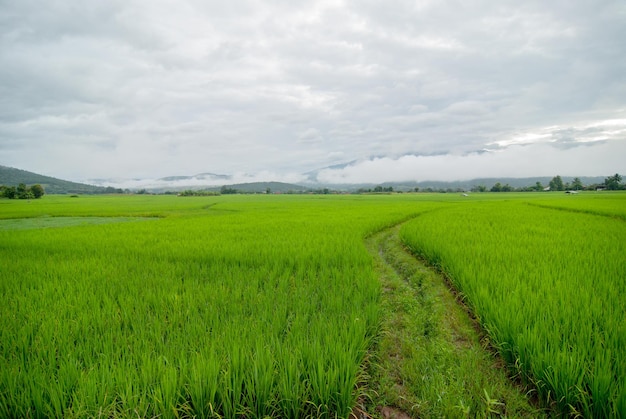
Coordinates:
(225, 190)
(497, 187)
(22, 191)
(577, 185)
(10, 192)
(37, 191)
(111, 189)
(613, 182)
(556, 184)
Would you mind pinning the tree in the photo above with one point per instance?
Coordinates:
(10, 192)
(225, 190)
(22, 191)
(37, 191)
(497, 187)
(577, 185)
(479, 188)
(613, 182)
(111, 189)
(556, 184)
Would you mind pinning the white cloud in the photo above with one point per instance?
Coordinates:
(611, 129)
(515, 161)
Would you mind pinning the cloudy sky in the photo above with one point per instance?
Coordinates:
(401, 90)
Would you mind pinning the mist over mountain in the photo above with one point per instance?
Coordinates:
(261, 182)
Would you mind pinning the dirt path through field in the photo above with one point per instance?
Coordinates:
(431, 359)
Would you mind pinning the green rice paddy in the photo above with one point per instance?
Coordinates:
(269, 305)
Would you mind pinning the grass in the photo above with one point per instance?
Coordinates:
(547, 285)
(256, 306)
(223, 307)
(432, 360)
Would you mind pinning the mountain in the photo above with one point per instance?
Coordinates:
(10, 176)
(467, 185)
(201, 182)
(167, 183)
(311, 177)
(201, 176)
(215, 182)
(262, 187)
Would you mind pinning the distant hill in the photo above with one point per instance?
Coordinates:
(514, 182)
(466, 184)
(10, 176)
(259, 187)
(201, 176)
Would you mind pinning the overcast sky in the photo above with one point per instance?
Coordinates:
(405, 90)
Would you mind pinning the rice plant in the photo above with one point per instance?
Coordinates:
(549, 287)
(256, 306)
(220, 307)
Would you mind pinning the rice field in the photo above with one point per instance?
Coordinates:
(547, 279)
(233, 307)
(267, 306)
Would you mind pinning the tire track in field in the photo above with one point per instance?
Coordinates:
(431, 358)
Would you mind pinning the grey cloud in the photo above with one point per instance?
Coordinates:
(277, 86)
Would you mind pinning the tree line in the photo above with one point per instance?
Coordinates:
(612, 183)
(22, 191)
(189, 192)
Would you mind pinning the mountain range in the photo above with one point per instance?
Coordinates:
(10, 176)
(212, 181)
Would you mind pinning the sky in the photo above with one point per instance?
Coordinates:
(357, 91)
